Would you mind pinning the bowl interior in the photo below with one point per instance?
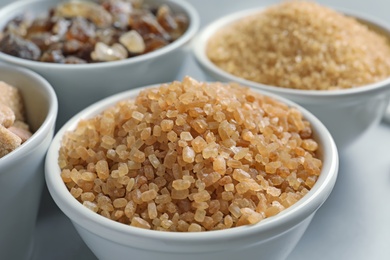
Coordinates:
(38, 8)
(40, 102)
(298, 95)
(36, 94)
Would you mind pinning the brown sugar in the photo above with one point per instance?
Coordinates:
(237, 157)
(79, 32)
(13, 129)
(301, 45)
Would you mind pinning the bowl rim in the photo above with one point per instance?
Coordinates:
(46, 126)
(21, 6)
(88, 220)
(200, 42)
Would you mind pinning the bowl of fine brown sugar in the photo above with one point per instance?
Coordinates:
(334, 63)
(189, 170)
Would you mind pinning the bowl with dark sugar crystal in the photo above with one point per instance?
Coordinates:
(189, 170)
(338, 68)
(89, 50)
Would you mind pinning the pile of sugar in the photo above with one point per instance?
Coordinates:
(13, 127)
(191, 156)
(301, 45)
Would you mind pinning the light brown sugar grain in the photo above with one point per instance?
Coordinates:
(13, 129)
(197, 181)
(301, 45)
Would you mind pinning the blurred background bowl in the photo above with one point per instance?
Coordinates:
(5, 2)
(272, 238)
(347, 113)
(79, 85)
(21, 171)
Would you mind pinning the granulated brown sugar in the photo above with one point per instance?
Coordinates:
(301, 45)
(191, 156)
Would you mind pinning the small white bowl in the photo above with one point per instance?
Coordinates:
(272, 238)
(21, 171)
(79, 85)
(5, 2)
(347, 113)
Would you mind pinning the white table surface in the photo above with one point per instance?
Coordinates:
(354, 223)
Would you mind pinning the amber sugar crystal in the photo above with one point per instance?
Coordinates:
(301, 45)
(14, 128)
(236, 158)
(79, 32)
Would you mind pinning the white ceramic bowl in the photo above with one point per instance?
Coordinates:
(346, 113)
(5, 2)
(80, 85)
(273, 238)
(21, 171)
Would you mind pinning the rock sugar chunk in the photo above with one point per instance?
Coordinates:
(13, 130)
